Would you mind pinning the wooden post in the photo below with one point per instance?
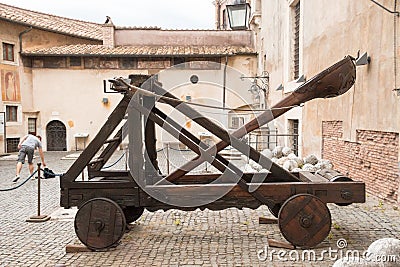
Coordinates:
(38, 217)
(38, 179)
(136, 160)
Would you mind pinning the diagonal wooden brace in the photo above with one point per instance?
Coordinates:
(94, 146)
(225, 136)
(333, 81)
(182, 135)
(236, 173)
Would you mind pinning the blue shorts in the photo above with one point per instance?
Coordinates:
(26, 151)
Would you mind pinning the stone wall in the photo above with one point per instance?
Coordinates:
(372, 158)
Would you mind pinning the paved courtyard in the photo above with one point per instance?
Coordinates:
(229, 237)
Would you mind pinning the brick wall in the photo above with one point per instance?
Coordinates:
(108, 35)
(373, 158)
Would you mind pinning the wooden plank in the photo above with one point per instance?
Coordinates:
(110, 184)
(108, 151)
(151, 163)
(127, 196)
(94, 161)
(280, 244)
(311, 178)
(113, 173)
(87, 155)
(118, 138)
(277, 192)
(74, 248)
(208, 178)
(263, 220)
(136, 159)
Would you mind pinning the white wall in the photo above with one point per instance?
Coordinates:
(74, 97)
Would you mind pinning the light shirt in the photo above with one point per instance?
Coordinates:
(32, 142)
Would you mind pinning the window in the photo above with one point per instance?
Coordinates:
(8, 52)
(178, 60)
(32, 126)
(75, 61)
(11, 113)
(12, 145)
(294, 135)
(127, 63)
(237, 122)
(54, 62)
(296, 41)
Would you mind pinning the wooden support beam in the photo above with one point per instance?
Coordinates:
(96, 161)
(280, 244)
(264, 220)
(312, 178)
(118, 138)
(110, 148)
(166, 125)
(90, 151)
(202, 145)
(151, 163)
(338, 192)
(225, 136)
(193, 146)
(136, 159)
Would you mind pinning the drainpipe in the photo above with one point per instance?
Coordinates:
(218, 22)
(20, 37)
(224, 83)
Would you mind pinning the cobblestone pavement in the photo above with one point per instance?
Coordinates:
(229, 237)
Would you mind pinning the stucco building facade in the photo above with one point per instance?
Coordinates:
(58, 66)
(358, 131)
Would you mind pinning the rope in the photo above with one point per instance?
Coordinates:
(106, 167)
(148, 93)
(21, 184)
(176, 149)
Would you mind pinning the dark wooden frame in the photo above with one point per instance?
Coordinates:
(274, 189)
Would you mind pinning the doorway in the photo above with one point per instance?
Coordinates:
(56, 134)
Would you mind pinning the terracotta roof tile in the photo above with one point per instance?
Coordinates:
(100, 50)
(53, 23)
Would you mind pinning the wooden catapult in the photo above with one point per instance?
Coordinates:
(110, 199)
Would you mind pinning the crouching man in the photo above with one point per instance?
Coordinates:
(27, 147)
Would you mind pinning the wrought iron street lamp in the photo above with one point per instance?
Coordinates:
(239, 16)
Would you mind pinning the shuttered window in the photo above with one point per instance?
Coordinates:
(8, 52)
(11, 113)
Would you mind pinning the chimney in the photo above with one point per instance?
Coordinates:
(108, 33)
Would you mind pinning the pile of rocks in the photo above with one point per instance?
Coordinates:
(284, 157)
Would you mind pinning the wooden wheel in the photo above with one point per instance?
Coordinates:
(344, 192)
(304, 220)
(132, 213)
(100, 223)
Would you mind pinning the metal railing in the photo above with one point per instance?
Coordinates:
(264, 139)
